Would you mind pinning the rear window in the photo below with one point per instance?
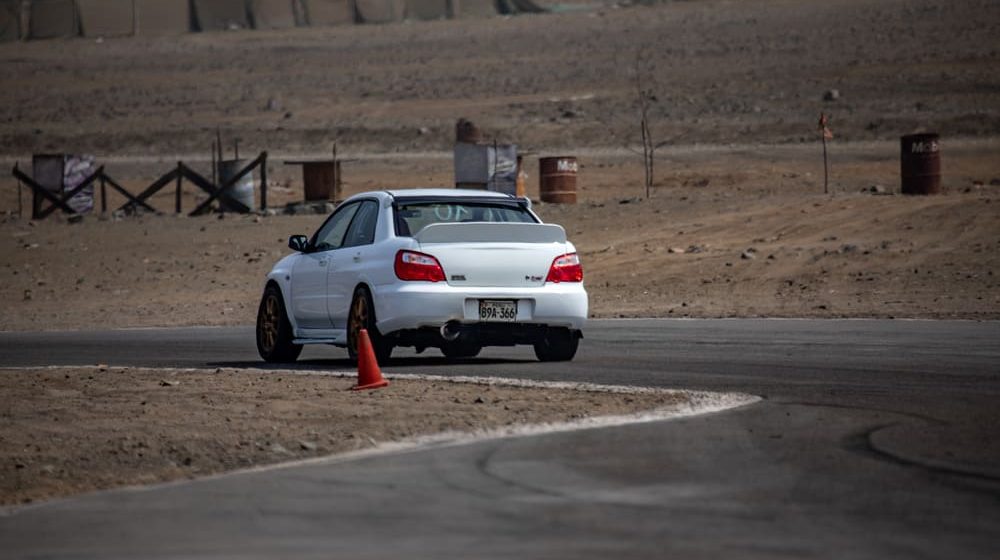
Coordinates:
(412, 216)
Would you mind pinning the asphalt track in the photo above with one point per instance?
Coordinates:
(876, 439)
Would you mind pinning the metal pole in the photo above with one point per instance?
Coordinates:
(825, 133)
(826, 170)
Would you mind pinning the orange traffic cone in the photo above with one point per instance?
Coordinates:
(369, 376)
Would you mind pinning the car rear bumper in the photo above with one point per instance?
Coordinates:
(414, 305)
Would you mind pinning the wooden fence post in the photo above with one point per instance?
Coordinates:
(263, 182)
(19, 206)
(104, 195)
(177, 195)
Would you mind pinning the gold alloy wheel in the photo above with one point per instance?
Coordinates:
(270, 322)
(359, 320)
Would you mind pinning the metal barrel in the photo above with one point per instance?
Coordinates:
(920, 163)
(243, 190)
(557, 179)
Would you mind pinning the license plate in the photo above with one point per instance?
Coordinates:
(497, 311)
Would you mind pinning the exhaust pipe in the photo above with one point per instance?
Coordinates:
(451, 330)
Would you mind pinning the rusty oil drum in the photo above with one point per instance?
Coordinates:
(920, 163)
(557, 179)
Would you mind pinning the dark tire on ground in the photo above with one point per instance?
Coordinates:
(274, 331)
(559, 345)
(362, 316)
(456, 350)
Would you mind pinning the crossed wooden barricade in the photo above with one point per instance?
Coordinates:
(177, 175)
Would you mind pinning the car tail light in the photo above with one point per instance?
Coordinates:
(566, 268)
(411, 265)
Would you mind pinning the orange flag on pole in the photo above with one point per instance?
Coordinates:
(823, 122)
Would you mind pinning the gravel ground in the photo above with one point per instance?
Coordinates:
(72, 430)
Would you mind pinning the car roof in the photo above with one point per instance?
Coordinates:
(444, 193)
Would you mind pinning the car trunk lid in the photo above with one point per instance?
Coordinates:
(482, 254)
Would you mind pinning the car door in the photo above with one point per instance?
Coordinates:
(310, 272)
(349, 263)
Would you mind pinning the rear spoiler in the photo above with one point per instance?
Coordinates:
(491, 232)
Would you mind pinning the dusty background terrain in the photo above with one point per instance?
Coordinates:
(678, 254)
(739, 87)
(753, 71)
(737, 225)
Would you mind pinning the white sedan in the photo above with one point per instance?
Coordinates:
(447, 268)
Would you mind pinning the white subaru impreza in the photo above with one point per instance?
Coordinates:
(447, 268)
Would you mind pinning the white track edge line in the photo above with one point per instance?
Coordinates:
(345, 374)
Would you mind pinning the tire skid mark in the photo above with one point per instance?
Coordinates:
(862, 442)
(922, 417)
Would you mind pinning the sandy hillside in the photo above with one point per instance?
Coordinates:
(722, 72)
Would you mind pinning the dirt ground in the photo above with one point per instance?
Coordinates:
(737, 224)
(72, 430)
(739, 246)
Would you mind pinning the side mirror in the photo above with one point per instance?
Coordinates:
(298, 243)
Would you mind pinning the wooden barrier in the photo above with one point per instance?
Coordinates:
(177, 176)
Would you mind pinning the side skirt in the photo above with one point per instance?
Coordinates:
(335, 337)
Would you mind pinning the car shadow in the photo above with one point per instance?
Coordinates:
(419, 361)
(408, 362)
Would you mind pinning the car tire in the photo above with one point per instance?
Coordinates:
(362, 316)
(457, 350)
(558, 345)
(274, 331)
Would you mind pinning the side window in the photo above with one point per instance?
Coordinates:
(362, 230)
(331, 234)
